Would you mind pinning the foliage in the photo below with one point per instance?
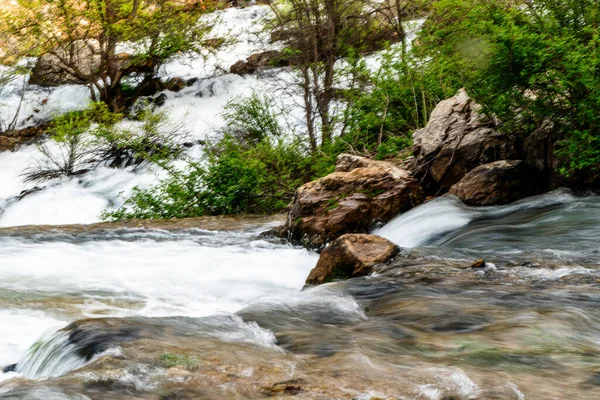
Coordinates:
(324, 32)
(171, 360)
(246, 171)
(391, 102)
(250, 120)
(83, 140)
(527, 63)
(82, 37)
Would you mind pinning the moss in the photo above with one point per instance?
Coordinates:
(171, 360)
(371, 192)
(332, 204)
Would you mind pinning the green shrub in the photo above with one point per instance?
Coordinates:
(393, 101)
(251, 169)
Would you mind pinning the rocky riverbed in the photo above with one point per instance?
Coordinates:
(230, 317)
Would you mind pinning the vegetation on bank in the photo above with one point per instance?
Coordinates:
(83, 40)
(529, 64)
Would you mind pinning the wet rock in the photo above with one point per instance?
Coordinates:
(159, 100)
(351, 256)
(12, 140)
(478, 264)
(457, 139)
(9, 368)
(175, 84)
(359, 195)
(496, 183)
(91, 337)
(266, 59)
(241, 68)
(280, 35)
(290, 387)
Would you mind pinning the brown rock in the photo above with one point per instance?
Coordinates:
(11, 140)
(85, 55)
(350, 256)
(175, 84)
(241, 68)
(478, 264)
(280, 35)
(500, 182)
(266, 59)
(359, 195)
(457, 139)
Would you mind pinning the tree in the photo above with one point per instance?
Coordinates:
(82, 37)
(530, 63)
(324, 36)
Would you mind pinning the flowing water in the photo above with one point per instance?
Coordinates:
(198, 314)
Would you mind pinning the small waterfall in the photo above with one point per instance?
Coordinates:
(421, 225)
(50, 357)
(534, 229)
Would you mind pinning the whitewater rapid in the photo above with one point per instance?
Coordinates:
(49, 281)
(197, 109)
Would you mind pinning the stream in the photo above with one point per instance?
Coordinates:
(223, 314)
(136, 314)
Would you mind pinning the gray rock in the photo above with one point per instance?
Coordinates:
(457, 139)
(496, 183)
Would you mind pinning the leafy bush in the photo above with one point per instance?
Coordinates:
(390, 103)
(251, 169)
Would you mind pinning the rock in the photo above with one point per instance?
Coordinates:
(241, 68)
(159, 100)
(11, 140)
(539, 150)
(266, 59)
(457, 139)
(9, 368)
(478, 264)
(175, 84)
(50, 71)
(281, 35)
(359, 195)
(500, 182)
(351, 256)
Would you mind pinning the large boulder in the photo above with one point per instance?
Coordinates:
(500, 182)
(457, 139)
(51, 71)
(360, 194)
(351, 256)
(72, 65)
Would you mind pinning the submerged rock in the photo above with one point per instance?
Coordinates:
(478, 264)
(208, 222)
(457, 139)
(351, 256)
(358, 195)
(496, 183)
